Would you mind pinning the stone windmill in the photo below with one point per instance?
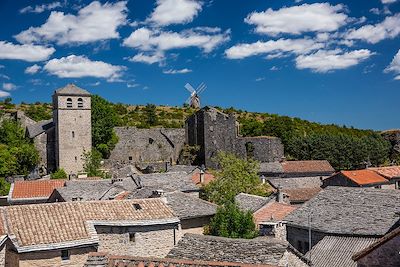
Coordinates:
(194, 99)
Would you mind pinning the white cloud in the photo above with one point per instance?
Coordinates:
(27, 52)
(9, 86)
(3, 76)
(389, 28)
(318, 17)
(327, 60)
(132, 85)
(32, 69)
(394, 66)
(275, 47)
(4, 94)
(147, 40)
(259, 79)
(40, 8)
(181, 71)
(175, 11)
(148, 58)
(94, 22)
(274, 68)
(80, 66)
(388, 1)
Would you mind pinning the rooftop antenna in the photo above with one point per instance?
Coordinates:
(194, 98)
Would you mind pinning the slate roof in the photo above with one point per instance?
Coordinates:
(336, 251)
(376, 244)
(251, 202)
(307, 166)
(186, 206)
(363, 177)
(39, 127)
(99, 259)
(212, 248)
(28, 190)
(274, 211)
(182, 168)
(86, 190)
(350, 210)
(71, 89)
(271, 167)
(389, 172)
(169, 182)
(296, 182)
(300, 195)
(69, 224)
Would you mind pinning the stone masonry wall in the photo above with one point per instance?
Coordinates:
(147, 145)
(289, 259)
(296, 235)
(149, 241)
(386, 255)
(52, 258)
(73, 133)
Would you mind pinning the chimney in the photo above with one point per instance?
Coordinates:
(263, 179)
(202, 173)
(279, 195)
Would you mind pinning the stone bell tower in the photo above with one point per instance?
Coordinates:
(73, 127)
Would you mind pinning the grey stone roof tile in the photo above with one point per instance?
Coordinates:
(186, 206)
(39, 127)
(251, 202)
(72, 89)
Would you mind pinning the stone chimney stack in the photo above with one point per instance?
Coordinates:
(202, 173)
(279, 195)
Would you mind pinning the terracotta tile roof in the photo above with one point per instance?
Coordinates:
(301, 194)
(208, 177)
(307, 166)
(364, 177)
(56, 223)
(389, 172)
(273, 212)
(35, 189)
(98, 259)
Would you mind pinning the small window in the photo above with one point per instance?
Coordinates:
(137, 206)
(132, 237)
(73, 134)
(69, 103)
(65, 256)
(76, 159)
(130, 158)
(151, 140)
(80, 103)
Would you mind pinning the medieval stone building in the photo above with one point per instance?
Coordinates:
(62, 140)
(214, 131)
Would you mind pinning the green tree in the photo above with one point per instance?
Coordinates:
(230, 221)
(235, 176)
(4, 187)
(92, 164)
(59, 174)
(150, 115)
(104, 119)
(38, 112)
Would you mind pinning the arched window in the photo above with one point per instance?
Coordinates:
(80, 103)
(69, 103)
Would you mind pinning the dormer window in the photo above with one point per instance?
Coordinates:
(80, 103)
(69, 103)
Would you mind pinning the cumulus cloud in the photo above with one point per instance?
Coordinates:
(148, 58)
(328, 60)
(147, 40)
(389, 28)
(181, 71)
(9, 86)
(40, 8)
(26, 52)
(94, 22)
(80, 66)
(318, 17)
(174, 12)
(388, 1)
(4, 94)
(32, 69)
(394, 66)
(274, 47)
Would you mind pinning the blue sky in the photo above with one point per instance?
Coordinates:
(325, 61)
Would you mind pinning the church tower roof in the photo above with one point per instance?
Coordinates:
(73, 90)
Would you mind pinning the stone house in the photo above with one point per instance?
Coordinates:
(296, 168)
(261, 250)
(383, 252)
(343, 211)
(63, 234)
(214, 131)
(31, 192)
(356, 178)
